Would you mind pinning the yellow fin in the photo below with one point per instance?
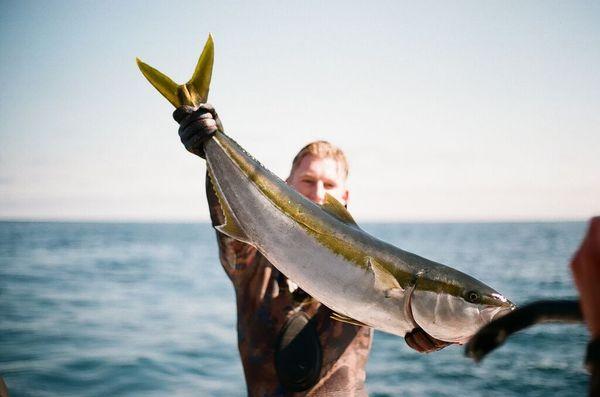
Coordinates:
(334, 207)
(199, 84)
(232, 229)
(345, 319)
(384, 280)
(230, 226)
(195, 91)
(164, 85)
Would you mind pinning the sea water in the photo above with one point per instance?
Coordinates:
(107, 309)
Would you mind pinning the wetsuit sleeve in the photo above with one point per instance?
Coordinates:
(234, 255)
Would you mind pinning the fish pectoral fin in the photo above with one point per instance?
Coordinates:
(345, 319)
(383, 280)
(394, 293)
(333, 207)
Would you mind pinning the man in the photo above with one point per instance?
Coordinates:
(288, 342)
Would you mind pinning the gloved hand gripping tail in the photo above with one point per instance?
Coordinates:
(196, 126)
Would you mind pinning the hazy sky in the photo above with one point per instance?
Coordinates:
(447, 110)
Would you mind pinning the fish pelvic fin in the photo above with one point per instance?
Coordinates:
(345, 319)
(230, 226)
(333, 207)
(382, 279)
(192, 93)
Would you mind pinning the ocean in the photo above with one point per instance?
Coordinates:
(111, 309)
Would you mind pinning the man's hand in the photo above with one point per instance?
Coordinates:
(586, 271)
(196, 126)
(422, 342)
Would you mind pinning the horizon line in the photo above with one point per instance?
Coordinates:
(364, 221)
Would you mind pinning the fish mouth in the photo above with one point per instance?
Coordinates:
(487, 315)
(502, 311)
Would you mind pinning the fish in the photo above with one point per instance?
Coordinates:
(362, 279)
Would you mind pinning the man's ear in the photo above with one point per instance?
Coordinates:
(346, 196)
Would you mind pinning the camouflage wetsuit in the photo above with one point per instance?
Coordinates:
(265, 303)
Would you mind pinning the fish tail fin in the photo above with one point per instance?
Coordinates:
(199, 84)
(192, 93)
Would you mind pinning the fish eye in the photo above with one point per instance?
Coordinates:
(472, 297)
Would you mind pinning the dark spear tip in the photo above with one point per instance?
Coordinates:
(492, 335)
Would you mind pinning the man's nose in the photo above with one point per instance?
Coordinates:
(320, 193)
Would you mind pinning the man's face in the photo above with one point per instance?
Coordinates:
(314, 177)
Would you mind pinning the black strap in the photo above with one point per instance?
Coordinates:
(298, 357)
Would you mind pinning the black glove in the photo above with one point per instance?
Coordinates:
(196, 126)
(422, 342)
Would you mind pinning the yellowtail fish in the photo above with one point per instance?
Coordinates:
(321, 248)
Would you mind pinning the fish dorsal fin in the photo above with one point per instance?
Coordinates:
(192, 93)
(333, 207)
(383, 280)
(230, 226)
(345, 319)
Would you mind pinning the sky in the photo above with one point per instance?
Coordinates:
(447, 111)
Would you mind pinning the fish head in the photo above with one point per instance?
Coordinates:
(451, 306)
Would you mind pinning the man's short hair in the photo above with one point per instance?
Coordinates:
(322, 150)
